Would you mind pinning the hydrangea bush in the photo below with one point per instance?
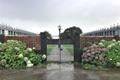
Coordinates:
(94, 54)
(15, 54)
(105, 53)
(113, 53)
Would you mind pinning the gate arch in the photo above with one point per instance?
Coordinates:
(75, 42)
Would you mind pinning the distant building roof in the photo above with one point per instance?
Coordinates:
(102, 31)
(9, 28)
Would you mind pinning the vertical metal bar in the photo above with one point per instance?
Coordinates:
(59, 45)
(60, 55)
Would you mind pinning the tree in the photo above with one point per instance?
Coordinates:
(48, 35)
(70, 32)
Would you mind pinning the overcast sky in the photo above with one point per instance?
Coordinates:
(40, 15)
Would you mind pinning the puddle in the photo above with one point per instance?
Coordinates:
(55, 71)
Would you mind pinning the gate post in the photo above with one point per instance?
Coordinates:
(77, 54)
(2, 38)
(43, 39)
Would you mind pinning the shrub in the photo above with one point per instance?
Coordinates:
(113, 53)
(105, 53)
(87, 44)
(14, 54)
(94, 54)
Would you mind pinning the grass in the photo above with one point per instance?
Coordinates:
(69, 47)
(50, 47)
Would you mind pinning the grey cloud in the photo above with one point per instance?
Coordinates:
(52, 12)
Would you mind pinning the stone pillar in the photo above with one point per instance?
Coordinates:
(77, 53)
(43, 43)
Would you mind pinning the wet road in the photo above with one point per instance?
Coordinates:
(54, 71)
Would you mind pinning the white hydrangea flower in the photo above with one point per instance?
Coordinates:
(28, 62)
(12, 40)
(44, 56)
(102, 40)
(101, 44)
(114, 40)
(110, 59)
(113, 44)
(118, 41)
(0, 43)
(118, 64)
(25, 59)
(8, 40)
(109, 46)
(3, 61)
(16, 48)
(20, 55)
(29, 65)
(29, 49)
(33, 47)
